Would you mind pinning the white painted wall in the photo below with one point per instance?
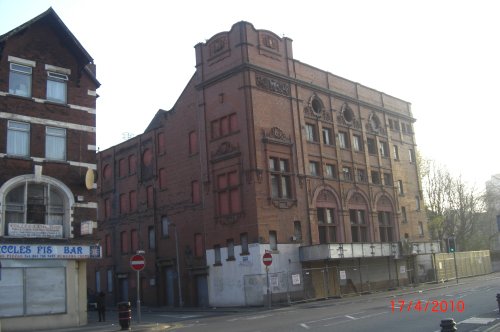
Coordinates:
(226, 282)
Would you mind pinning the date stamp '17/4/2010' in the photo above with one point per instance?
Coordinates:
(442, 306)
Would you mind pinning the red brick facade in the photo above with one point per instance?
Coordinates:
(39, 42)
(282, 153)
(47, 149)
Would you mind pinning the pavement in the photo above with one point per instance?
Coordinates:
(167, 318)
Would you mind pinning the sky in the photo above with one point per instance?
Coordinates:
(441, 56)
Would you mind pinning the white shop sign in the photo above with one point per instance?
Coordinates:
(48, 251)
(35, 230)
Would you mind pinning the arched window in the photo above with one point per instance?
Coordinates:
(385, 220)
(327, 218)
(358, 217)
(28, 203)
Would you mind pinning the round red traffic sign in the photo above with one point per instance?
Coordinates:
(137, 262)
(267, 259)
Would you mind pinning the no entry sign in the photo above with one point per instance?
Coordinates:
(267, 259)
(137, 262)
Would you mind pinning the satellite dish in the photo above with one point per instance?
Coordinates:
(89, 179)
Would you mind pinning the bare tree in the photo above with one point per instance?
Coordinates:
(452, 206)
(492, 201)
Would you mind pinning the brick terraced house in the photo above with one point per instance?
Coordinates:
(47, 161)
(262, 153)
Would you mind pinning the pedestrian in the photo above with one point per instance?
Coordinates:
(101, 306)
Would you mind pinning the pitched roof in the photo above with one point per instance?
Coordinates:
(50, 17)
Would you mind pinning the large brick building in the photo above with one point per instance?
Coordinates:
(261, 152)
(47, 152)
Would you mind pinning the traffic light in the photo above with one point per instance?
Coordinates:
(451, 244)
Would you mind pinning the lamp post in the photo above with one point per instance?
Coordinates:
(452, 248)
(181, 304)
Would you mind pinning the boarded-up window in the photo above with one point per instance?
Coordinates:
(228, 187)
(45, 290)
(11, 292)
(32, 291)
(224, 126)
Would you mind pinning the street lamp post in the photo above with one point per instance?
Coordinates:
(181, 304)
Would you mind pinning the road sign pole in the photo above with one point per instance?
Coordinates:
(137, 262)
(267, 259)
(268, 290)
(138, 296)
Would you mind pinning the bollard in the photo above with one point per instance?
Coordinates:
(448, 325)
(124, 315)
(498, 301)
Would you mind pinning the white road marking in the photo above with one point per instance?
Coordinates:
(353, 318)
(477, 320)
(373, 315)
(181, 316)
(330, 318)
(258, 317)
(305, 326)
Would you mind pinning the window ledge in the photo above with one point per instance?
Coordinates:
(283, 203)
(217, 264)
(225, 136)
(245, 254)
(12, 156)
(55, 161)
(231, 259)
(20, 97)
(56, 103)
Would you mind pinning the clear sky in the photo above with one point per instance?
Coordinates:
(442, 56)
